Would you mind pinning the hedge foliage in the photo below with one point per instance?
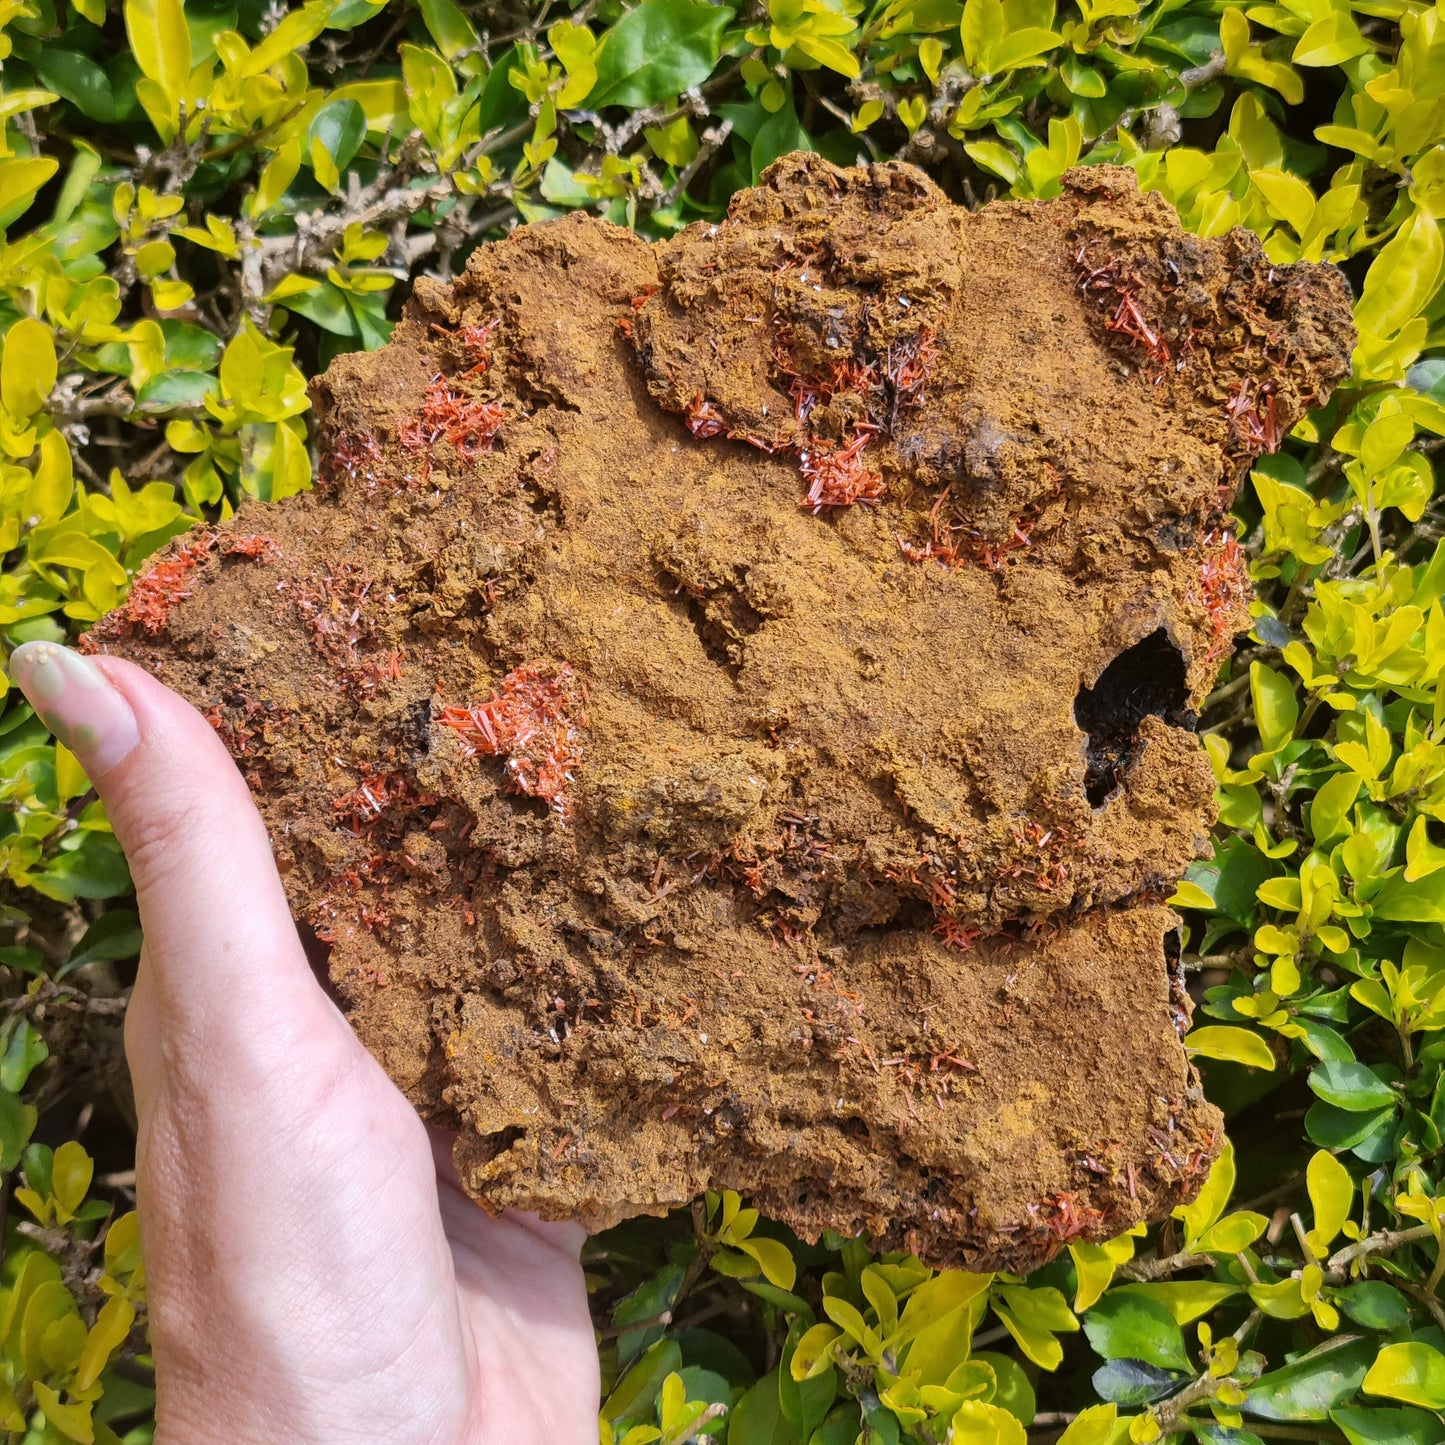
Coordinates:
(202, 203)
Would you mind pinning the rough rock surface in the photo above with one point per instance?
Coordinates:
(727, 707)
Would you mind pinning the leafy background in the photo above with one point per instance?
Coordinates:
(203, 203)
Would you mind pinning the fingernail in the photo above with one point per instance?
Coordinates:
(72, 697)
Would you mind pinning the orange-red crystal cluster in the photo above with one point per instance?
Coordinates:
(168, 582)
(467, 423)
(834, 471)
(470, 426)
(953, 544)
(534, 722)
(1254, 417)
(1224, 586)
(1126, 318)
(837, 475)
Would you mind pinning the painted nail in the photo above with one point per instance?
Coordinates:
(72, 697)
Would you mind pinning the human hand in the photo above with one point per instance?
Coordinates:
(315, 1273)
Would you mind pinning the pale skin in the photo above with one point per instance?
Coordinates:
(315, 1272)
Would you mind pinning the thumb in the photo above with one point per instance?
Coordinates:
(221, 946)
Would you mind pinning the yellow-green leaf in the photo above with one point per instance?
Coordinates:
(976, 1423)
(70, 1175)
(1094, 1426)
(1210, 1202)
(20, 178)
(1237, 1046)
(27, 367)
(1331, 40)
(773, 1259)
(449, 27)
(161, 43)
(1287, 197)
(73, 1421)
(70, 779)
(1232, 1233)
(1402, 277)
(1276, 708)
(54, 482)
(279, 173)
(1414, 1373)
(1331, 1192)
(110, 1331)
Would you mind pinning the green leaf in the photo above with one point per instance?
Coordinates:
(1411, 1372)
(1032, 1317)
(25, 1050)
(71, 1170)
(107, 1335)
(17, 1124)
(996, 158)
(1011, 1390)
(674, 143)
(835, 55)
(1322, 1041)
(449, 27)
(1387, 1427)
(1186, 1300)
(1132, 1382)
(1209, 1204)
(1351, 1086)
(935, 1299)
(840, 1428)
(634, 1393)
(1313, 1385)
(1330, 809)
(1287, 196)
(1233, 1233)
(1421, 900)
(658, 50)
(1020, 47)
(758, 1419)
(48, 1305)
(170, 390)
(1334, 1128)
(277, 176)
(1082, 79)
(351, 13)
(1231, 879)
(78, 79)
(978, 1423)
(1374, 1304)
(774, 1259)
(340, 127)
(805, 1402)
(114, 935)
(324, 304)
(779, 135)
(191, 348)
(1209, 1434)
(781, 1299)
(981, 28)
(1131, 1327)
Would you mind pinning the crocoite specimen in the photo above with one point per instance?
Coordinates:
(728, 706)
